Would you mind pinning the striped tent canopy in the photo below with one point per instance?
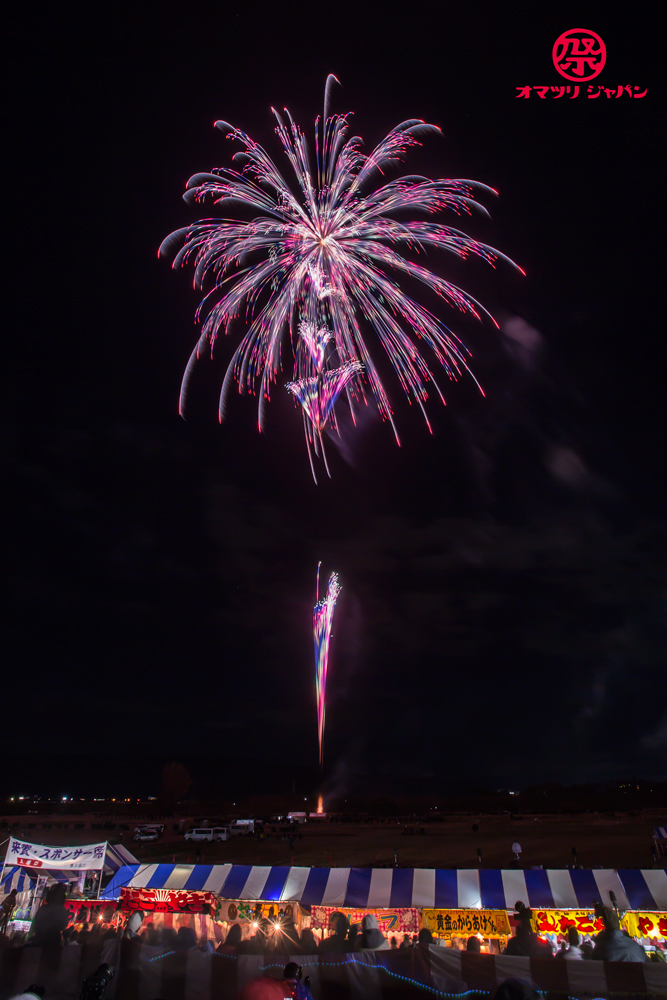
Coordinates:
(16, 878)
(646, 889)
(391, 887)
(116, 857)
(660, 833)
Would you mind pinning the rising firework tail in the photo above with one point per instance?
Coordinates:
(323, 613)
(321, 268)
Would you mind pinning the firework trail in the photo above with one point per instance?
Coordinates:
(321, 266)
(323, 613)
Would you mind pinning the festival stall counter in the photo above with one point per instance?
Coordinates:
(454, 904)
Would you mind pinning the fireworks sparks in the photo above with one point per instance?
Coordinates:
(318, 265)
(323, 613)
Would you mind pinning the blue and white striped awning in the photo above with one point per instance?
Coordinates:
(660, 833)
(645, 888)
(392, 887)
(15, 878)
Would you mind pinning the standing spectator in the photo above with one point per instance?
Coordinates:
(573, 952)
(371, 937)
(8, 904)
(612, 945)
(336, 941)
(51, 919)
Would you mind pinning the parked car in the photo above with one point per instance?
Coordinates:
(146, 835)
(217, 833)
(153, 827)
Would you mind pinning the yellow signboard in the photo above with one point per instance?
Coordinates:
(560, 921)
(463, 923)
(651, 925)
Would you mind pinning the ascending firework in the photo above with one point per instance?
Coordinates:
(317, 266)
(323, 613)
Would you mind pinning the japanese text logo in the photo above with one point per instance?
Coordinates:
(579, 54)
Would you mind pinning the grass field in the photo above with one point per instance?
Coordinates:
(619, 842)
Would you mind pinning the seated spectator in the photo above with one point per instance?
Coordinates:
(292, 978)
(612, 945)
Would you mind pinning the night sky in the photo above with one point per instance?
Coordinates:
(502, 619)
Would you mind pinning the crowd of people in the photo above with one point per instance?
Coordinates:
(277, 932)
(611, 944)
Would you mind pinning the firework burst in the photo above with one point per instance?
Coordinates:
(320, 267)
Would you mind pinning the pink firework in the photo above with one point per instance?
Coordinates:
(323, 613)
(319, 265)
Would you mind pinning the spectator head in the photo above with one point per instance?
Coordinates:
(573, 937)
(186, 938)
(233, 939)
(425, 936)
(515, 989)
(308, 942)
(473, 945)
(610, 919)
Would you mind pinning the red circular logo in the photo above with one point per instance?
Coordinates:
(579, 54)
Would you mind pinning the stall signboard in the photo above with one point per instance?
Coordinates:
(463, 923)
(402, 920)
(167, 900)
(559, 921)
(641, 924)
(36, 856)
(237, 910)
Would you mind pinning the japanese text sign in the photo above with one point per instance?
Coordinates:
(462, 923)
(167, 900)
(88, 856)
(651, 925)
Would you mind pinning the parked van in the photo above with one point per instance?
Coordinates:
(217, 833)
(157, 828)
(241, 827)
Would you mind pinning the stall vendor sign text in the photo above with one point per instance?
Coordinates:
(402, 920)
(240, 910)
(462, 923)
(39, 856)
(167, 901)
(559, 921)
(640, 924)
